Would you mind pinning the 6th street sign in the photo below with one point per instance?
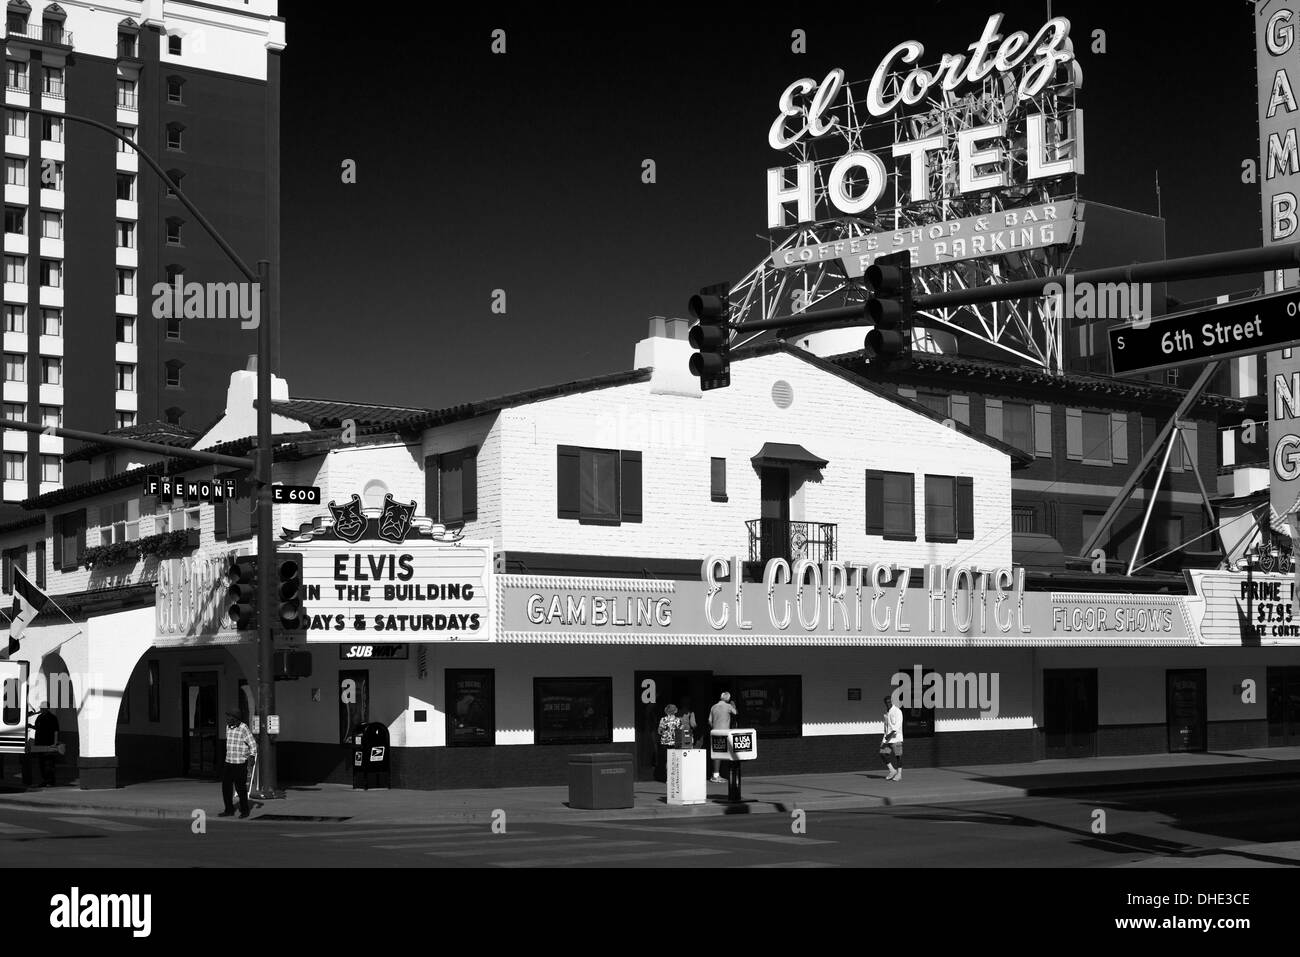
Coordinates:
(1241, 328)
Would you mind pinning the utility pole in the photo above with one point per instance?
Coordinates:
(259, 464)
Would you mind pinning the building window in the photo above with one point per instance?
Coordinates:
(936, 402)
(174, 136)
(235, 519)
(454, 499)
(125, 377)
(15, 467)
(51, 225)
(51, 370)
(52, 80)
(129, 133)
(126, 282)
(125, 234)
(771, 704)
(1018, 425)
(940, 508)
(599, 486)
(15, 318)
(717, 479)
(175, 176)
(1024, 519)
(52, 416)
(126, 45)
(173, 327)
(471, 707)
(15, 412)
(573, 711)
(126, 94)
(174, 373)
(15, 171)
(120, 522)
(174, 232)
(15, 123)
(52, 128)
(891, 505)
(16, 75)
(52, 322)
(14, 558)
(15, 220)
(52, 273)
(1096, 438)
(175, 90)
(69, 539)
(126, 186)
(51, 468)
(16, 269)
(124, 420)
(15, 367)
(126, 329)
(174, 45)
(174, 414)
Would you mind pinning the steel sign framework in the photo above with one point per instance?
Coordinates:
(1026, 329)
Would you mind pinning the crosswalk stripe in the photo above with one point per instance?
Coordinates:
(414, 839)
(718, 832)
(606, 858)
(18, 829)
(506, 847)
(101, 823)
(358, 833)
(794, 864)
(482, 841)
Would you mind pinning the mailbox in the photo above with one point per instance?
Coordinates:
(370, 753)
(734, 744)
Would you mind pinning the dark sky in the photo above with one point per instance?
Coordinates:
(522, 171)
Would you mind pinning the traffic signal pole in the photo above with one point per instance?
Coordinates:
(1232, 263)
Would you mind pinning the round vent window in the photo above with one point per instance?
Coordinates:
(372, 496)
(783, 394)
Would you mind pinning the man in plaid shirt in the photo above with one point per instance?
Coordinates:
(241, 752)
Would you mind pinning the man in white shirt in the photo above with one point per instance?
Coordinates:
(893, 739)
(720, 716)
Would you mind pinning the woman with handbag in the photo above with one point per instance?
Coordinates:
(669, 726)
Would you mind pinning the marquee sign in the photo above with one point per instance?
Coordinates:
(1246, 608)
(977, 153)
(378, 575)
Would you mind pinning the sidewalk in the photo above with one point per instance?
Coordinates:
(179, 798)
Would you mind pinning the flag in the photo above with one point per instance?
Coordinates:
(28, 603)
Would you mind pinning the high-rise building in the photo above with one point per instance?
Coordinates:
(92, 233)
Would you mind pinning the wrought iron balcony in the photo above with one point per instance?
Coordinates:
(48, 32)
(778, 538)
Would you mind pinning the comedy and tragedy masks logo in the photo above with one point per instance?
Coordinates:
(395, 520)
(349, 523)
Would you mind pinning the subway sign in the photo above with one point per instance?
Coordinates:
(373, 652)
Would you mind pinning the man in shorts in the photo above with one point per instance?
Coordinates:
(720, 720)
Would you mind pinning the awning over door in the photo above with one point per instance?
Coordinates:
(778, 453)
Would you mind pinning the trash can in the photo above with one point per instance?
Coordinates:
(370, 753)
(599, 781)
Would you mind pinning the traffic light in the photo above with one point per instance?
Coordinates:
(711, 337)
(890, 311)
(241, 597)
(289, 567)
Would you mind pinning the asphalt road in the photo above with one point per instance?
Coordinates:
(1213, 826)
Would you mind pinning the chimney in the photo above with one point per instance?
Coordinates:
(667, 351)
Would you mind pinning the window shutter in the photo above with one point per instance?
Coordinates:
(1119, 437)
(220, 521)
(58, 541)
(40, 564)
(1043, 430)
(993, 418)
(469, 485)
(431, 487)
(631, 486)
(566, 482)
(965, 507)
(1074, 435)
(960, 405)
(911, 506)
(718, 479)
(907, 393)
(77, 522)
(876, 503)
(1190, 457)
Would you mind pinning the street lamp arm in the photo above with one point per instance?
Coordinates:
(157, 448)
(249, 274)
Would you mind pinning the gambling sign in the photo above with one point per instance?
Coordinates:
(372, 573)
(1219, 332)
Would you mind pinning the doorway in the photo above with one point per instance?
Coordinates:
(774, 518)
(1283, 707)
(655, 690)
(200, 724)
(1185, 709)
(1070, 712)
